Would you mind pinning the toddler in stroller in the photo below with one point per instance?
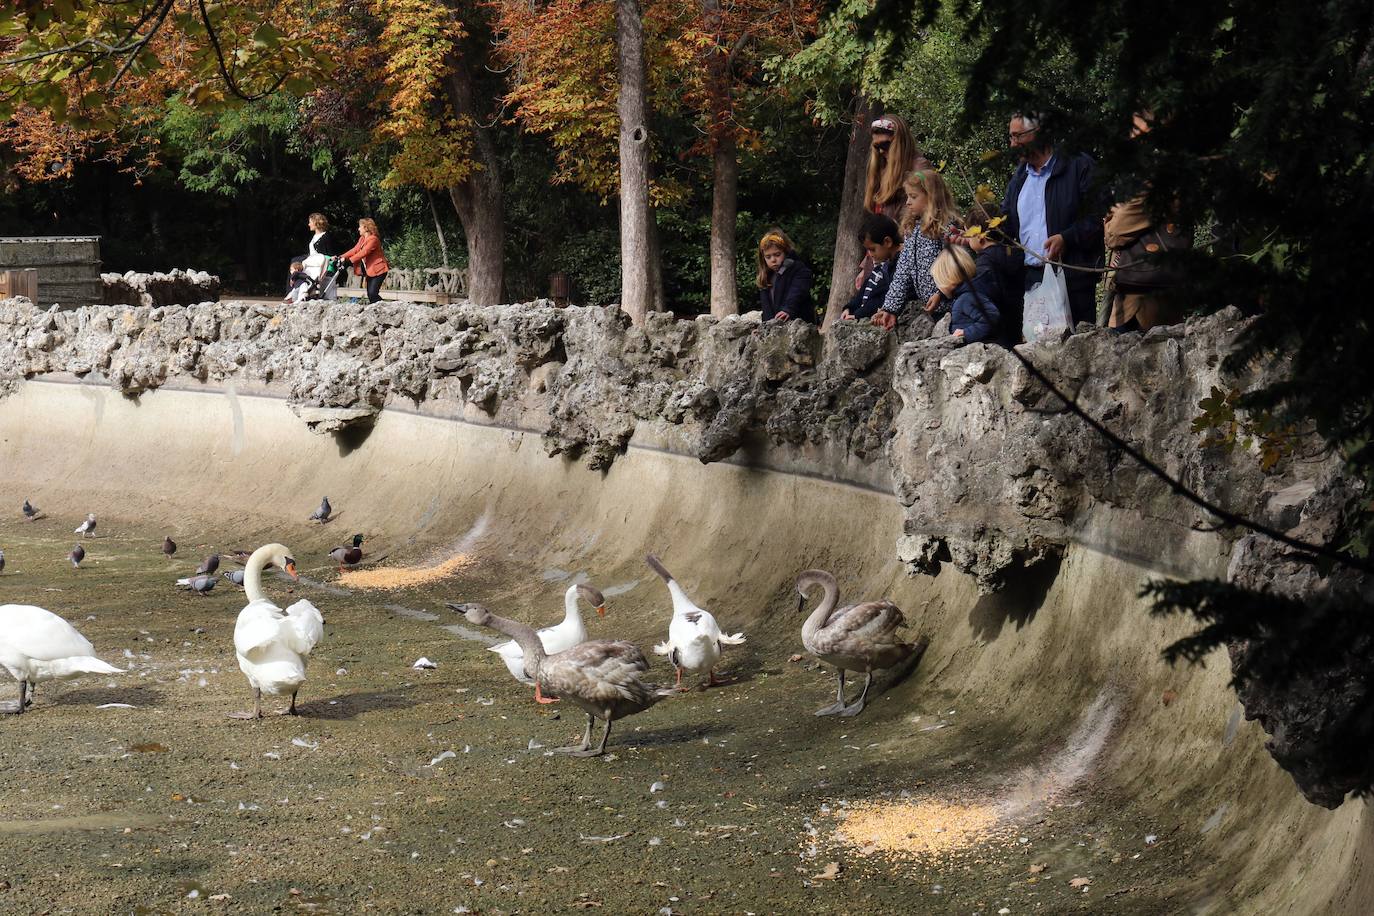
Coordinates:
(322, 283)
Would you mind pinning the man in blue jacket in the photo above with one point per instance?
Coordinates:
(1053, 208)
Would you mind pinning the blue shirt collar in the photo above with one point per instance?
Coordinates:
(1044, 170)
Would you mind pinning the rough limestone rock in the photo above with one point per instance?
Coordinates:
(179, 287)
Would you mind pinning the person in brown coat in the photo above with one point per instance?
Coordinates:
(1142, 286)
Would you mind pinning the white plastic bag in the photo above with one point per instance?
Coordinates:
(1047, 310)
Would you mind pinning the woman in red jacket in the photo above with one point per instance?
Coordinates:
(368, 252)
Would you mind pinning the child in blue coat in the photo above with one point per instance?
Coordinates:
(973, 315)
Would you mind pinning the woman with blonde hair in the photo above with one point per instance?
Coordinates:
(892, 156)
(929, 217)
(368, 255)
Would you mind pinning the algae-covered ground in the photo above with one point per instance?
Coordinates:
(719, 801)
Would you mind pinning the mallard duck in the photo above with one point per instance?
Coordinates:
(861, 637)
(36, 645)
(555, 639)
(603, 676)
(273, 645)
(694, 641)
(348, 556)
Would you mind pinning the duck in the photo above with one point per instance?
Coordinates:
(555, 639)
(860, 637)
(272, 644)
(695, 641)
(36, 645)
(605, 677)
(86, 528)
(348, 556)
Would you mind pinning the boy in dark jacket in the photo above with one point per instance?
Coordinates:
(882, 240)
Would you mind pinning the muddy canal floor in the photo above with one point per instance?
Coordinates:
(431, 791)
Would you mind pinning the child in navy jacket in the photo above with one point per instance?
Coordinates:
(882, 241)
(973, 316)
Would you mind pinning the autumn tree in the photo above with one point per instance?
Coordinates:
(434, 109)
(704, 62)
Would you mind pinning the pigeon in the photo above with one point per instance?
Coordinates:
(2, 561)
(323, 512)
(86, 528)
(239, 556)
(235, 576)
(169, 547)
(199, 584)
(76, 556)
(349, 556)
(30, 512)
(208, 566)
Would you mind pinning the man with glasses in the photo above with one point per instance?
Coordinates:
(1053, 210)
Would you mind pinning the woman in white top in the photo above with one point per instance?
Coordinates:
(321, 248)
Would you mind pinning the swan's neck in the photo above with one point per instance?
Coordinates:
(570, 611)
(821, 615)
(525, 638)
(252, 573)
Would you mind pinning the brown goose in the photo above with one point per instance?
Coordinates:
(602, 676)
(861, 637)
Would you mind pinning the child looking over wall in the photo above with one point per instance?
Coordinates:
(973, 316)
(882, 242)
(784, 280)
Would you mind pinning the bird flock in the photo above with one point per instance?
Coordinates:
(606, 678)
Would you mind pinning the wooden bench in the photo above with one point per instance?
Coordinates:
(438, 297)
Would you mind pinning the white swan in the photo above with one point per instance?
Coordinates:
(36, 645)
(556, 638)
(694, 641)
(272, 645)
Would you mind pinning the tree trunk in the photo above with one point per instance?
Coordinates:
(848, 251)
(724, 166)
(478, 200)
(438, 227)
(724, 210)
(636, 291)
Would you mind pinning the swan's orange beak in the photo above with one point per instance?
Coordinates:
(291, 571)
(601, 610)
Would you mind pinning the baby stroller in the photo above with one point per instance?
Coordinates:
(324, 282)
